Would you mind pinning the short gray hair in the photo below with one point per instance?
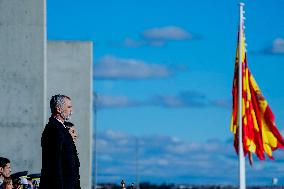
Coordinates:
(57, 101)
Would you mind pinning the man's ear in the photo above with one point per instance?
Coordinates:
(58, 109)
(1, 170)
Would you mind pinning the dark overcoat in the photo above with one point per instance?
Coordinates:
(60, 162)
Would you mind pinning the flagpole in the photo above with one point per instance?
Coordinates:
(242, 180)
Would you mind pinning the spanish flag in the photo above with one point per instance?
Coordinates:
(260, 135)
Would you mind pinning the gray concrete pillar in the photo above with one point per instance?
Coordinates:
(69, 72)
(22, 82)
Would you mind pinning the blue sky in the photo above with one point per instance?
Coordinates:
(163, 74)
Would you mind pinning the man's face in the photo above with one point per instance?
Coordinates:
(66, 111)
(6, 171)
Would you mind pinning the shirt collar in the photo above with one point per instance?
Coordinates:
(60, 122)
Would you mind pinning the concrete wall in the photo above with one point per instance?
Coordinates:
(22, 87)
(69, 72)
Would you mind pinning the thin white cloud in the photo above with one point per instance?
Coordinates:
(180, 100)
(142, 42)
(166, 33)
(111, 67)
(134, 43)
(115, 135)
(107, 101)
(159, 36)
(184, 99)
(224, 103)
(277, 47)
(182, 148)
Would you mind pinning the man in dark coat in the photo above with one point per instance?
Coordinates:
(60, 163)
